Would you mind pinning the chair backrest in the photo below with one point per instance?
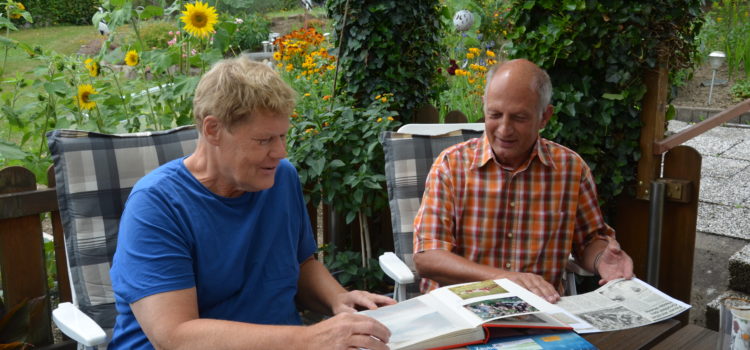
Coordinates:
(95, 174)
(408, 159)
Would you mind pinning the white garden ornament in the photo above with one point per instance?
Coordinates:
(463, 20)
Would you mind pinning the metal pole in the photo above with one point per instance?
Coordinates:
(656, 213)
(711, 89)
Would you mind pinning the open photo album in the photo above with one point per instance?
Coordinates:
(474, 313)
(470, 313)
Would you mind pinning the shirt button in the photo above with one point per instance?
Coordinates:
(512, 204)
(507, 265)
(510, 234)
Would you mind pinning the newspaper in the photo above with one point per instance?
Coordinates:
(622, 304)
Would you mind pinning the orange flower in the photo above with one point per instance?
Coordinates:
(326, 97)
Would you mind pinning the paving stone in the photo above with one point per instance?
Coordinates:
(712, 166)
(740, 150)
(739, 270)
(712, 308)
(730, 221)
(712, 145)
(728, 191)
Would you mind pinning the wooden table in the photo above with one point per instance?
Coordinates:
(690, 337)
(636, 338)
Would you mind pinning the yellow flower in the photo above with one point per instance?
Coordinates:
(82, 99)
(379, 119)
(469, 55)
(277, 56)
(199, 19)
(377, 97)
(490, 53)
(289, 67)
(307, 94)
(92, 66)
(132, 58)
(390, 119)
(384, 100)
(20, 7)
(474, 50)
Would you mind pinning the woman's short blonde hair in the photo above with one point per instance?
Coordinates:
(237, 87)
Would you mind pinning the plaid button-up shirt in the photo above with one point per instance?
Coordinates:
(526, 220)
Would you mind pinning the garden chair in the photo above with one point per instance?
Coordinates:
(95, 174)
(409, 154)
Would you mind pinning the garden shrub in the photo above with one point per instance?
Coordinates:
(251, 32)
(57, 12)
(596, 54)
(256, 6)
(389, 46)
(155, 34)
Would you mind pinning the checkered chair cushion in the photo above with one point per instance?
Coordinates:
(94, 174)
(408, 159)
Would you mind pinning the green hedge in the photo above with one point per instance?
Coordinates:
(46, 12)
(389, 46)
(596, 53)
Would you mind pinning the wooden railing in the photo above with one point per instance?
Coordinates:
(23, 207)
(662, 146)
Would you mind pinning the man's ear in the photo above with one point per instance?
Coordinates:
(211, 129)
(546, 115)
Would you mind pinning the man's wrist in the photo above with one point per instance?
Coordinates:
(596, 260)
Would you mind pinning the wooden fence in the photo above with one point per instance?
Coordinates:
(23, 271)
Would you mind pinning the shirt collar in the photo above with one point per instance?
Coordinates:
(541, 151)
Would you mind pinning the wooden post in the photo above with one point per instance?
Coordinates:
(61, 259)
(652, 117)
(22, 255)
(678, 230)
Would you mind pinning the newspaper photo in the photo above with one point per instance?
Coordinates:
(622, 304)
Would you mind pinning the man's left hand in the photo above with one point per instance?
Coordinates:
(357, 300)
(614, 263)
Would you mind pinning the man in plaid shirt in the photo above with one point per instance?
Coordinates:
(512, 204)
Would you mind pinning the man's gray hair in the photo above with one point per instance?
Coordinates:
(541, 83)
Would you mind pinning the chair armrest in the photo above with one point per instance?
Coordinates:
(395, 268)
(574, 267)
(77, 325)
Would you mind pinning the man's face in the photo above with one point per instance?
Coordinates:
(512, 117)
(250, 153)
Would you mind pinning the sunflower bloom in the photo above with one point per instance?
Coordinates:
(20, 7)
(92, 66)
(199, 19)
(84, 93)
(132, 58)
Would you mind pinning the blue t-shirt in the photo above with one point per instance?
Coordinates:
(241, 254)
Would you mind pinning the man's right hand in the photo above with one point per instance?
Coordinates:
(346, 331)
(534, 283)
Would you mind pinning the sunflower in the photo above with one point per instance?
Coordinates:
(132, 58)
(82, 99)
(92, 66)
(199, 19)
(20, 8)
